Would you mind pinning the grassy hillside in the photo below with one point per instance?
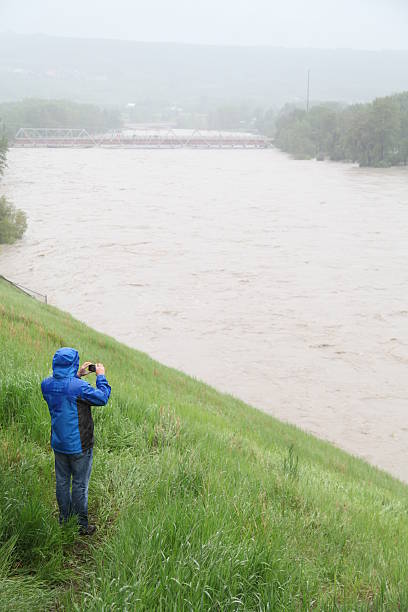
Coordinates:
(201, 502)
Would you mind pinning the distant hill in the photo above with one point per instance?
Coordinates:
(191, 76)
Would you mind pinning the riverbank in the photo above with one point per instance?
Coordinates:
(201, 501)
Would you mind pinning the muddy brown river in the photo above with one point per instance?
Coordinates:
(282, 282)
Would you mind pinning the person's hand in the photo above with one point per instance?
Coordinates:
(99, 369)
(83, 370)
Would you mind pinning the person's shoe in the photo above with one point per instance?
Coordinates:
(90, 530)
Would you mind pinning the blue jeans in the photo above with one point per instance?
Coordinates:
(79, 468)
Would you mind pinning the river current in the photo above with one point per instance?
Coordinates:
(282, 282)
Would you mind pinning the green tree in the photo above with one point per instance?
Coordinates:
(324, 131)
(57, 114)
(374, 134)
(385, 126)
(13, 222)
(402, 141)
(357, 134)
(3, 153)
(294, 134)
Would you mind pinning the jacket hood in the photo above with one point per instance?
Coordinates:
(65, 363)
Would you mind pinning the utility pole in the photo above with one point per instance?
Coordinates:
(308, 91)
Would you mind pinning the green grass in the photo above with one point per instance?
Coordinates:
(201, 502)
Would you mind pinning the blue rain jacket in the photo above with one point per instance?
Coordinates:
(69, 400)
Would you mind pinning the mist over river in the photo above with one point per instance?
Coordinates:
(282, 282)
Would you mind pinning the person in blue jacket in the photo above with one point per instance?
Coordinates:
(69, 400)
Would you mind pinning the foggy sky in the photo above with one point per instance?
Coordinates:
(358, 24)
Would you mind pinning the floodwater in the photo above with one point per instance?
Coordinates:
(282, 282)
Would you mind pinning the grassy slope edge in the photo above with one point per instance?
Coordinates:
(202, 502)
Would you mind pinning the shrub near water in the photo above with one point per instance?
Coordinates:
(13, 222)
(201, 502)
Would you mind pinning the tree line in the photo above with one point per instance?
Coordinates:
(13, 222)
(372, 134)
(36, 113)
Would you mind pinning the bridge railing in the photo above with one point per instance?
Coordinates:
(49, 134)
(66, 137)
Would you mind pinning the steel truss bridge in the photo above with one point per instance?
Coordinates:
(138, 139)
